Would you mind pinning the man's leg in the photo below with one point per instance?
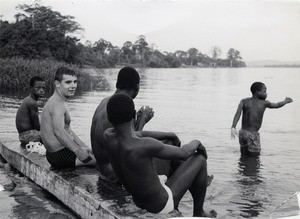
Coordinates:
(190, 175)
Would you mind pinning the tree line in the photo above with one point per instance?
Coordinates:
(41, 33)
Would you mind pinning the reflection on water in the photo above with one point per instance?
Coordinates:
(248, 182)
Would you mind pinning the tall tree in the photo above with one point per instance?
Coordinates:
(192, 55)
(40, 32)
(233, 56)
(140, 47)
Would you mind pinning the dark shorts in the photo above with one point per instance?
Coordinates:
(62, 159)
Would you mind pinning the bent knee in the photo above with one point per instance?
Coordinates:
(201, 160)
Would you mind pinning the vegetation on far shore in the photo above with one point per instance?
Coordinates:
(15, 74)
(41, 33)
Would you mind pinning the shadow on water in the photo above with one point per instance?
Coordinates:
(249, 185)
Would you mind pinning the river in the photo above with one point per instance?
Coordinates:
(196, 103)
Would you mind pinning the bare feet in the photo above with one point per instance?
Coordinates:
(209, 179)
(211, 214)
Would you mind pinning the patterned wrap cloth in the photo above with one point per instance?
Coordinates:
(250, 140)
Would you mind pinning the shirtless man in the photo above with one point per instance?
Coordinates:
(132, 156)
(64, 148)
(127, 83)
(27, 119)
(253, 111)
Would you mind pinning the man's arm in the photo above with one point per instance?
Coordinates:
(63, 136)
(168, 152)
(236, 119)
(34, 115)
(161, 136)
(77, 140)
(279, 104)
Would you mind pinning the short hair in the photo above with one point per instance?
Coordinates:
(128, 78)
(63, 71)
(34, 79)
(120, 109)
(257, 86)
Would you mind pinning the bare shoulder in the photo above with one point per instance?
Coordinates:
(246, 100)
(54, 106)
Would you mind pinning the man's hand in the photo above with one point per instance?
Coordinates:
(201, 150)
(288, 100)
(146, 113)
(83, 154)
(175, 140)
(233, 133)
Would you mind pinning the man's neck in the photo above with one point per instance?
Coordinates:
(34, 97)
(125, 130)
(60, 96)
(126, 92)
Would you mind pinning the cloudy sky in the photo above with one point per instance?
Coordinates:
(260, 30)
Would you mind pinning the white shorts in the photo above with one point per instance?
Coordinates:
(170, 203)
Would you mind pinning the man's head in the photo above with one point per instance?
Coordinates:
(120, 109)
(259, 89)
(128, 79)
(65, 82)
(37, 85)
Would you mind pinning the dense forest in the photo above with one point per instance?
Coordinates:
(41, 33)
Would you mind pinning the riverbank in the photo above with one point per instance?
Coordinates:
(80, 189)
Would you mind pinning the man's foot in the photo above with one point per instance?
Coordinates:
(209, 179)
(211, 214)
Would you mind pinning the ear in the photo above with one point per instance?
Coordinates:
(57, 84)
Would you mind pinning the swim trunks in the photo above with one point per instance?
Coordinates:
(170, 203)
(61, 159)
(30, 135)
(250, 140)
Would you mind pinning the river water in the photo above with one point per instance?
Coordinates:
(198, 104)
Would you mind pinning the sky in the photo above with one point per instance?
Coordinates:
(260, 30)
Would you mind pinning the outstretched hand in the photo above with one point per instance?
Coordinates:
(201, 150)
(288, 100)
(233, 133)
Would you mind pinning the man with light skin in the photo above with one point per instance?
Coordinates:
(63, 147)
(27, 118)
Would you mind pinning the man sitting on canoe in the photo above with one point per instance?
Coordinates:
(132, 156)
(64, 148)
(27, 118)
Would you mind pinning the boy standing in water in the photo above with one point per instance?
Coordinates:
(27, 118)
(253, 111)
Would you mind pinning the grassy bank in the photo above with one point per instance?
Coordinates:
(15, 74)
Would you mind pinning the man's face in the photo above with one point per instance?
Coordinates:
(67, 86)
(262, 94)
(38, 89)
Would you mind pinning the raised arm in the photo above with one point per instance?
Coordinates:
(279, 104)
(236, 119)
